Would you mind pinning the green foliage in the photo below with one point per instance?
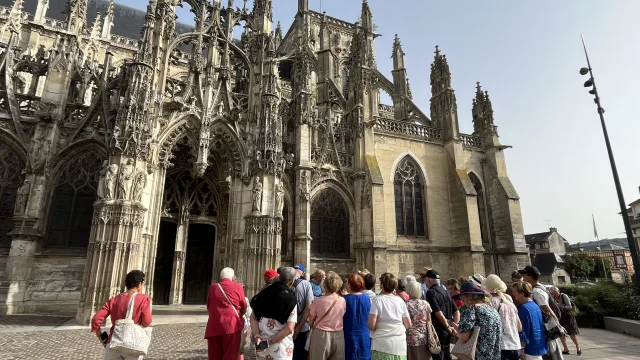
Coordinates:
(604, 299)
(580, 265)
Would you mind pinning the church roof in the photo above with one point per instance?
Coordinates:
(127, 21)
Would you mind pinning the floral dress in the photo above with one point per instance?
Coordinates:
(417, 333)
(490, 338)
(282, 350)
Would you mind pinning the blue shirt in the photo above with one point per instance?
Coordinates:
(317, 290)
(533, 331)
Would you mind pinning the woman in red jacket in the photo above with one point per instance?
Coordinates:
(117, 308)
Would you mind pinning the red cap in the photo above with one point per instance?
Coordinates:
(270, 274)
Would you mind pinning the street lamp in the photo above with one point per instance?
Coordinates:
(591, 83)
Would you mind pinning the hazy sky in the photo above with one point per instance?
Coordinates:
(527, 56)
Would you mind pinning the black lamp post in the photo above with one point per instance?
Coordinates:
(623, 207)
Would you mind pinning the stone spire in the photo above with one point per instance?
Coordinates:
(14, 20)
(444, 109)
(278, 35)
(398, 54)
(325, 33)
(76, 12)
(145, 48)
(263, 13)
(41, 11)
(303, 6)
(108, 22)
(482, 111)
(400, 82)
(96, 28)
(366, 17)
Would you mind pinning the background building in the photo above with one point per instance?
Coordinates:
(184, 150)
(546, 250)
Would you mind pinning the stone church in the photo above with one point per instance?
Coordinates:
(129, 140)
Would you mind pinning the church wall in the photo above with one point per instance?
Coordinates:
(433, 158)
(55, 284)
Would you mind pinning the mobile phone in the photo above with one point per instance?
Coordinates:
(263, 345)
(104, 337)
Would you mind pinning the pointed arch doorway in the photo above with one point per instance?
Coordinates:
(186, 241)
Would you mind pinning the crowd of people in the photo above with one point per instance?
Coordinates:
(413, 317)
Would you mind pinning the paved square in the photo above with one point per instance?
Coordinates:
(41, 341)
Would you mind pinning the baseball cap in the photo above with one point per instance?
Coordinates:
(432, 274)
(530, 270)
(270, 274)
(300, 267)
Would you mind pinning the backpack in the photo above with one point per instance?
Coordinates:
(574, 309)
(552, 302)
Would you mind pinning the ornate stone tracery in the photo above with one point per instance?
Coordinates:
(11, 167)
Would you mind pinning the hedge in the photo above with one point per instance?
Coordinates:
(603, 299)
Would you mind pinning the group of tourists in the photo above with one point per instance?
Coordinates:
(333, 317)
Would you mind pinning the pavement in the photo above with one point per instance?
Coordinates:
(178, 334)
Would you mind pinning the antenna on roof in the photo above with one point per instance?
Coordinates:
(548, 223)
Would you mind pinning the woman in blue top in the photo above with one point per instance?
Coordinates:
(532, 335)
(357, 343)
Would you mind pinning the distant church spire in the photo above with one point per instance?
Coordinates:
(444, 109)
(482, 111)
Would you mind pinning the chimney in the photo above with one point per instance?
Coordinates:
(555, 230)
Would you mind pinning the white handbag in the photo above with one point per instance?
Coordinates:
(129, 338)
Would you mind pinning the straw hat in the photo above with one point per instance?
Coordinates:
(493, 284)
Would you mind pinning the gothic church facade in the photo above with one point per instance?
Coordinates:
(182, 150)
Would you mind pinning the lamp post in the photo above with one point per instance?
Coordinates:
(623, 207)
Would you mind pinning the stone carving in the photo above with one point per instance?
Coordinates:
(304, 186)
(22, 197)
(139, 183)
(279, 199)
(256, 197)
(125, 180)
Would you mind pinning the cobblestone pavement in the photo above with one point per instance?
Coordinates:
(185, 341)
(182, 341)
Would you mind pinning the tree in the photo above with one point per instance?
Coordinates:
(580, 266)
(598, 271)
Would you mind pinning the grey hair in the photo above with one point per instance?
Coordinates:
(553, 289)
(434, 281)
(227, 273)
(287, 274)
(414, 288)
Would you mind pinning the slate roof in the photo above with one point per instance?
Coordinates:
(547, 262)
(127, 21)
(534, 238)
(595, 247)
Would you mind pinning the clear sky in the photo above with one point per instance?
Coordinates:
(527, 55)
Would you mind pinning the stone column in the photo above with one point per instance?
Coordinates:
(116, 233)
(302, 227)
(262, 248)
(25, 240)
(180, 254)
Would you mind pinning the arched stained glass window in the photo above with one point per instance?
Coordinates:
(409, 199)
(72, 203)
(329, 225)
(10, 180)
(482, 209)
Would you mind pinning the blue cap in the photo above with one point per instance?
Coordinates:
(300, 267)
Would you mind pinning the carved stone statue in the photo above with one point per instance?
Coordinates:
(22, 197)
(110, 182)
(139, 184)
(256, 197)
(125, 180)
(279, 199)
(103, 173)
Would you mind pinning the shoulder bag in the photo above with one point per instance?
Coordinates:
(243, 340)
(129, 338)
(433, 342)
(315, 324)
(553, 329)
(467, 350)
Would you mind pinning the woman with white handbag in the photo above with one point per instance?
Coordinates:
(130, 312)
